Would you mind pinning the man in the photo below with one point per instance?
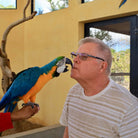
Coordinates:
(24, 113)
(97, 107)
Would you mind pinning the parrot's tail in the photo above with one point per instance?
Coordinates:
(4, 101)
(7, 103)
(10, 107)
(122, 3)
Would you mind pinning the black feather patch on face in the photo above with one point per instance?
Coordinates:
(56, 74)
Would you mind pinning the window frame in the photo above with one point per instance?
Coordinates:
(83, 1)
(32, 6)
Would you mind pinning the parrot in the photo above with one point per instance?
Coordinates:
(122, 2)
(28, 83)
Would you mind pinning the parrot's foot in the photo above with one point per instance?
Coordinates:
(30, 104)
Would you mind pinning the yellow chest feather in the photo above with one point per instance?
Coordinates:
(42, 80)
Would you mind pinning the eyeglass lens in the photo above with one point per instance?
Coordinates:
(81, 56)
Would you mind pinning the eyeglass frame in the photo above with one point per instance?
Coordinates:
(87, 55)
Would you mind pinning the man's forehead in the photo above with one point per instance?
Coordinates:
(88, 47)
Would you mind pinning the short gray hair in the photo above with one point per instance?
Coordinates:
(104, 49)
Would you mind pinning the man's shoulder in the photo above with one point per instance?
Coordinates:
(121, 93)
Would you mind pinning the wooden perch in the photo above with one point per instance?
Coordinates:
(4, 61)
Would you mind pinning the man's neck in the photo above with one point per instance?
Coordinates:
(95, 86)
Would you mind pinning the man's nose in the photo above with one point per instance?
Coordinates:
(77, 59)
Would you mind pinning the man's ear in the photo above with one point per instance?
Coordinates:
(103, 66)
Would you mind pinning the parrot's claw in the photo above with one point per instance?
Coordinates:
(30, 104)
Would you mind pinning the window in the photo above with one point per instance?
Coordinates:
(8, 4)
(45, 6)
(121, 35)
(83, 1)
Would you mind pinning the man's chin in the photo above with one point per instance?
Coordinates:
(73, 76)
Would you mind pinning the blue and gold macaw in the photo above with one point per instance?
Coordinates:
(122, 2)
(29, 82)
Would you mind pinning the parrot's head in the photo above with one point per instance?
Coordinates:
(57, 66)
(62, 65)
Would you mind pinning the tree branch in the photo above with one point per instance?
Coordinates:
(5, 35)
(24, 11)
(4, 61)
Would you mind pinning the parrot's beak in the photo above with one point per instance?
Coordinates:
(62, 65)
(68, 61)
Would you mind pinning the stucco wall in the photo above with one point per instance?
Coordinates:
(47, 36)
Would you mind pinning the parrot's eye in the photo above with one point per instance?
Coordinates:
(61, 62)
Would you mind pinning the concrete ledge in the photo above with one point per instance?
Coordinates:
(55, 131)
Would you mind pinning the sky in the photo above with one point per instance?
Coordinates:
(43, 5)
(120, 41)
(7, 2)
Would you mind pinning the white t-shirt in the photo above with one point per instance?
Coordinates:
(112, 113)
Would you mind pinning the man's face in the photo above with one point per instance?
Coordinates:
(88, 69)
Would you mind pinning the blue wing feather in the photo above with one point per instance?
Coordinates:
(24, 81)
(122, 2)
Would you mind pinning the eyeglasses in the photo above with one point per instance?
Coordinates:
(84, 56)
